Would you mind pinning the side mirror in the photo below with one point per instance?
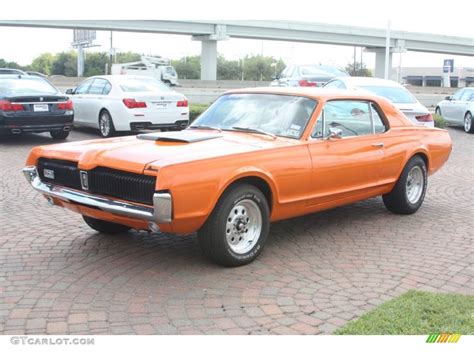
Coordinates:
(335, 133)
(70, 91)
(449, 98)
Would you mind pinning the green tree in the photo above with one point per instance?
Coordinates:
(228, 69)
(65, 63)
(359, 69)
(127, 57)
(14, 65)
(95, 63)
(188, 67)
(43, 63)
(260, 67)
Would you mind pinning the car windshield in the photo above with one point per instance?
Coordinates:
(393, 94)
(279, 115)
(142, 85)
(26, 86)
(311, 70)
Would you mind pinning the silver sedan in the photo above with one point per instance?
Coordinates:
(458, 109)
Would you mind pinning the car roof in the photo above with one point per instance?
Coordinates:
(364, 80)
(311, 92)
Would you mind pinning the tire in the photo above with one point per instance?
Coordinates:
(468, 124)
(104, 226)
(236, 231)
(106, 124)
(59, 135)
(409, 192)
(438, 111)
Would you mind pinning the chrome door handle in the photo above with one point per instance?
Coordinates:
(378, 145)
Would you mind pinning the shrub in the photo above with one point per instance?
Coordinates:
(439, 121)
(195, 110)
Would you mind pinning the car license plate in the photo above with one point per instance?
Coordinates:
(161, 104)
(40, 107)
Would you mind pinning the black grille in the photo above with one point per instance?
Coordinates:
(65, 172)
(103, 181)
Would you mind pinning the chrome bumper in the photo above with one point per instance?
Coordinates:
(161, 212)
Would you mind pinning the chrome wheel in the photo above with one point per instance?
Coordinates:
(415, 184)
(467, 122)
(104, 125)
(243, 226)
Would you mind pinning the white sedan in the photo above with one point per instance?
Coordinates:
(458, 109)
(392, 91)
(128, 103)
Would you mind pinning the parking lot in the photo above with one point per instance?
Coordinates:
(316, 273)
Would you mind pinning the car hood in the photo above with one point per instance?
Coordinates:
(135, 154)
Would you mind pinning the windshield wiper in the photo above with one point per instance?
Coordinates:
(253, 130)
(206, 127)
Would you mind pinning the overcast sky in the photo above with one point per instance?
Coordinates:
(23, 44)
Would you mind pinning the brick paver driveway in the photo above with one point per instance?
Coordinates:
(315, 274)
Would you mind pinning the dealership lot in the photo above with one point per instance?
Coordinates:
(316, 273)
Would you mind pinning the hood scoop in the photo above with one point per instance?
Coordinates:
(180, 136)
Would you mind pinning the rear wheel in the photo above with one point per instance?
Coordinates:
(106, 124)
(409, 191)
(104, 226)
(59, 135)
(237, 229)
(468, 126)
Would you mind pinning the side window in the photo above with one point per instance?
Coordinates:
(458, 94)
(352, 118)
(97, 87)
(335, 84)
(379, 125)
(467, 95)
(84, 87)
(107, 88)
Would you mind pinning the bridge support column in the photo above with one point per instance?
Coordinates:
(380, 63)
(208, 60)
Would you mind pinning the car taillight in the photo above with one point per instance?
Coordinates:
(132, 103)
(425, 118)
(65, 105)
(182, 103)
(307, 83)
(8, 106)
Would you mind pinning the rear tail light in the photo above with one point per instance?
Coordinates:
(425, 118)
(182, 103)
(307, 83)
(8, 106)
(132, 103)
(65, 105)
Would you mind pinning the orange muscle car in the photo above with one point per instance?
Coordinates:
(255, 156)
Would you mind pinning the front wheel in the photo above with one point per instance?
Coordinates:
(468, 126)
(237, 229)
(409, 191)
(106, 124)
(104, 226)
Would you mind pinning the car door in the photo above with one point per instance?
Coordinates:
(93, 101)
(347, 152)
(451, 107)
(461, 107)
(78, 100)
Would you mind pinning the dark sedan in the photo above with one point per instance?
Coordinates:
(31, 104)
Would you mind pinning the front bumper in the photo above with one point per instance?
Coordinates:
(161, 212)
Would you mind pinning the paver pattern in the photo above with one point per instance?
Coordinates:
(316, 272)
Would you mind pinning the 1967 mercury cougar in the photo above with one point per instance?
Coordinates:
(255, 156)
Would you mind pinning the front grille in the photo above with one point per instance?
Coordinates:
(65, 172)
(103, 181)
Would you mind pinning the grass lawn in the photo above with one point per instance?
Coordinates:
(417, 313)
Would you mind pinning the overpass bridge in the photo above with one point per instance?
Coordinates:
(210, 32)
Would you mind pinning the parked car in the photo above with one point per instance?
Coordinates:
(392, 91)
(9, 71)
(458, 109)
(31, 104)
(36, 73)
(114, 103)
(255, 156)
(307, 75)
